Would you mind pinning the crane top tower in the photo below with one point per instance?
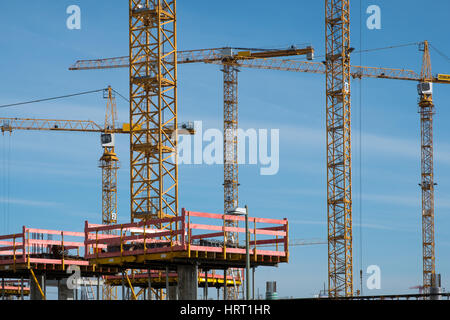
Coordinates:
(425, 87)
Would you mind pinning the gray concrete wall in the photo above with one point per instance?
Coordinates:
(64, 293)
(187, 282)
(34, 290)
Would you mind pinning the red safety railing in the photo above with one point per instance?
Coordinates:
(14, 285)
(192, 231)
(31, 247)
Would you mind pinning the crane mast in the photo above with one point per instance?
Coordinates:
(338, 117)
(230, 163)
(153, 109)
(426, 110)
(230, 126)
(109, 163)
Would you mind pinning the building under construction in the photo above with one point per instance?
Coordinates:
(166, 251)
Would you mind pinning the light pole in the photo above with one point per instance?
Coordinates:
(247, 256)
(244, 212)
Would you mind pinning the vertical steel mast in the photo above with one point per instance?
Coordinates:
(230, 155)
(426, 110)
(230, 127)
(153, 109)
(339, 187)
(109, 163)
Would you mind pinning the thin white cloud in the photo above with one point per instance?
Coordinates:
(30, 203)
(356, 225)
(372, 143)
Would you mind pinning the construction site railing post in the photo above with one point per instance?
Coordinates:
(140, 239)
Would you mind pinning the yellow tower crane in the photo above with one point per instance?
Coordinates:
(109, 162)
(153, 109)
(229, 58)
(426, 110)
(338, 136)
(339, 155)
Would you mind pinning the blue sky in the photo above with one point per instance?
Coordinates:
(52, 180)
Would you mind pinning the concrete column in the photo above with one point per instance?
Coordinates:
(35, 294)
(225, 291)
(21, 288)
(173, 292)
(188, 282)
(149, 285)
(206, 285)
(123, 286)
(64, 293)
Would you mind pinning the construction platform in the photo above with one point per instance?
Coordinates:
(13, 288)
(194, 238)
(48, 252)
(158, 280)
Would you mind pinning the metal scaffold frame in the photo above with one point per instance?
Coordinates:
(145, 245)
(153, 109)
(426, 110)
(339, 192)
(230, 156)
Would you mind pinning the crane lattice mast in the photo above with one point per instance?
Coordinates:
(109, 163)
(230, 161)
(339, 178)
(153, 109)
(426, 110)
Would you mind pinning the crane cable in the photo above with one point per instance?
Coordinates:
(120, 95)
(8, 186)
(5, 186)
(49, 99)
(6, 158)
(443, 55)
(360, 154)
(369, 50)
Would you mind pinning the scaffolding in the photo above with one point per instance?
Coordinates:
(143, 244)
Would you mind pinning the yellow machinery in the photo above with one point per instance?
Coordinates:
(426, 110)
(153, 109)
(338, 72)
(339, 161)
(109, 162)
(230, 59)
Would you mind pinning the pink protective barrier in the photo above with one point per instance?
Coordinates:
(191, 231)
(31, 247)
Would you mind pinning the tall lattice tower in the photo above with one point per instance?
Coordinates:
(339, 177)
(153, 109)
(230, 127)
(230, 155)
(109, 163)
(426, 110)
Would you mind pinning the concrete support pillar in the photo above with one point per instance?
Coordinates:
(205, 292)
(435, 289)
(188, 282)
(225, 290)
(35, 294)
(172, 292)
(149, 285)
(64, 293)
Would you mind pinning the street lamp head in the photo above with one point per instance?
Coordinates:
(237, 211)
